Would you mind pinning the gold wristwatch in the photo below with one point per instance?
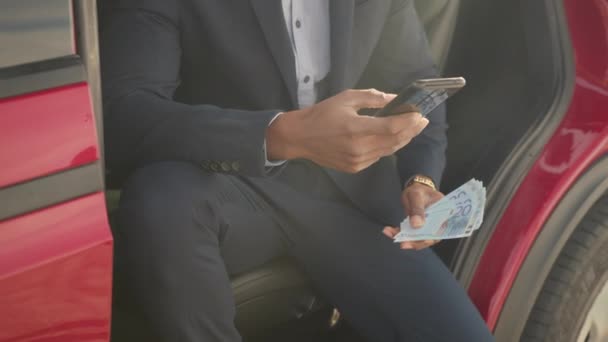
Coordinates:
(424, 180)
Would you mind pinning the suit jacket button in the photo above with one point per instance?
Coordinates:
(236, 166)
(226, 167)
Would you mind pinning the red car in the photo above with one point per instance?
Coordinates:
(532, 124)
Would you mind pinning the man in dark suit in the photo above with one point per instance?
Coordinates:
(233, 127)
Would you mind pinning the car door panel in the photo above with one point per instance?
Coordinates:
(579, 139)
(55, 241)
(47, 132)
(54, 275)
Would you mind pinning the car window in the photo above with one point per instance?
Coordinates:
(35, 30)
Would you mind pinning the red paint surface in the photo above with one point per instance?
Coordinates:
(46, 132)
(55, 274)
(581, 138)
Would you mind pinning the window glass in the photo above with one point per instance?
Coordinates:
(35, 30)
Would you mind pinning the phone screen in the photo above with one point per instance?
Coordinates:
(422, 96)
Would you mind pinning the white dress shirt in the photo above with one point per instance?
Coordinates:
(307, 24)
(308, 28)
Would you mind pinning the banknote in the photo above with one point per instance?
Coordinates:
(457, 215)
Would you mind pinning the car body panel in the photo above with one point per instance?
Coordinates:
(55, 242)
(46, 132)
(580, 140)
(55, 273)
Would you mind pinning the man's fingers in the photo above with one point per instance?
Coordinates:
(418, 245)
(435, 197)
(413, 123)
(417, 220)
(406, 126)
(369, 149)
(390, 232)
(417, 203)
(389, 144)
(425, 244)
(366, 98)
(410, 124)
(407, 245)
(357, 159)
(422, 125)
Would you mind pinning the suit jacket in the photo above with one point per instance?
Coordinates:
(199, 81)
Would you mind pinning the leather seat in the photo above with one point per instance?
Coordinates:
(276, 293)
(279, 291)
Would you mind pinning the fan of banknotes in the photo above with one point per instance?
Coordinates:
(457, 215)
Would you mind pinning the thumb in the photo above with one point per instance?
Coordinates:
(417, 218)
(390, 232)
(416, 209)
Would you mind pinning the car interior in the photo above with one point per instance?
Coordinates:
(488, 43)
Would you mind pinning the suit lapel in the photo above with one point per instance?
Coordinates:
(342, 14)
(270, 17)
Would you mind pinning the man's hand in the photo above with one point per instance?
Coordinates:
(415, 198)
(332, 134)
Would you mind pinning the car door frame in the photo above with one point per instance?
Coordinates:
(506, 263)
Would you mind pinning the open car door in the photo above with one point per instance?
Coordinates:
(55, 242)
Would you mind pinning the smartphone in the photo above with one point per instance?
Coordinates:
(422, 96)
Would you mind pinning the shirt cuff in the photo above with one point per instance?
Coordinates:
(268, 163)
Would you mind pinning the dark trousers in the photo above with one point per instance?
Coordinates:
(181, 233)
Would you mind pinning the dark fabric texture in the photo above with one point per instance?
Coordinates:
(181, 234)
(199, 81)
